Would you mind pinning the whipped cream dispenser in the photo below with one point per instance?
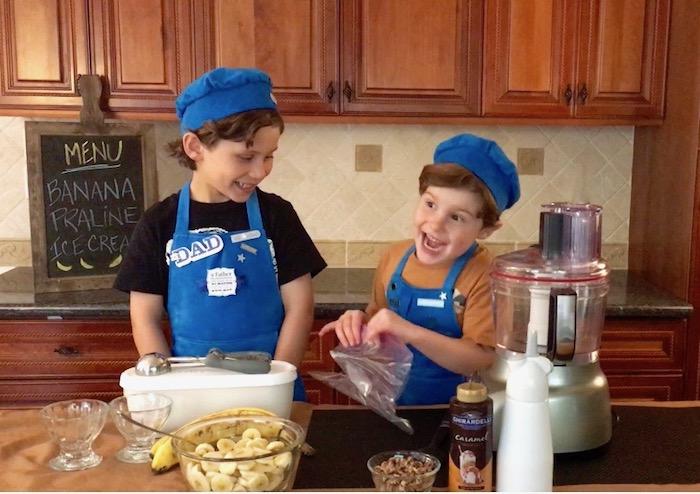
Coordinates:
(557, 291)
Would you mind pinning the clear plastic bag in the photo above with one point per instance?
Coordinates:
(374, 375)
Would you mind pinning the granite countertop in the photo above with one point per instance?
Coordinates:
(337, 290)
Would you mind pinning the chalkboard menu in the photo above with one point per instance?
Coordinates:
(88, 188)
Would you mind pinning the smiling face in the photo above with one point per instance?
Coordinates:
(230, 169)
(446, 224)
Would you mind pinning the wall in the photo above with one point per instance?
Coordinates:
(352, 215)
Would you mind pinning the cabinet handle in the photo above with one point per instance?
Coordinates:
(66, 350)
(568, 94)
(347, 91)
(583, 94)
(330, 91)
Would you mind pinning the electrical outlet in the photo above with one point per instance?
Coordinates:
(368, 157)
(531, 161)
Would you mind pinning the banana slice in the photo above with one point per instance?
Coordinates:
(224, 445)
(221, 483)
(86, 264)
(203, 449)
(62, 266)
(257, 481)
(116, 261)
(251, 433)
(198, 481)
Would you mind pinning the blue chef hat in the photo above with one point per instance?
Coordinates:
(487, 161)
(221, 93)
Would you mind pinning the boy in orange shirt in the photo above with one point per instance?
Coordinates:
(432, 292)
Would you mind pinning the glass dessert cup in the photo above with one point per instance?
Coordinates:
(149, 409)
(74, 425)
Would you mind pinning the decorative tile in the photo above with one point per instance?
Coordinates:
(365, 254)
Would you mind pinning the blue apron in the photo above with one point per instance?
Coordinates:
(223, 290)
(432, 308)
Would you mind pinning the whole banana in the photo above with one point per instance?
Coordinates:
(163, 456)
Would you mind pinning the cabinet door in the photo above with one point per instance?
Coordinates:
(411, 57)
(529, 55)
(143, 49)
(622, 58)
(44, 49)
(294, 41)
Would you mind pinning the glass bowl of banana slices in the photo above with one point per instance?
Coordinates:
(245, 453)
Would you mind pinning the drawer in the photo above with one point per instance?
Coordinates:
(643, 345)
(54, 349)
(646, 387)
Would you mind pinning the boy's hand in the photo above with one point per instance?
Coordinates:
(387, 321)
(348, 327)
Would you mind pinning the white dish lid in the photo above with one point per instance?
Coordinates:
(182, 378)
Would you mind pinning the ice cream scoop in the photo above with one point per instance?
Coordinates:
(155, 364)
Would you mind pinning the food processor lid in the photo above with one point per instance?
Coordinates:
(569, 247)
(531, 265)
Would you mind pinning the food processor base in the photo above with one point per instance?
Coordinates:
(579, 405)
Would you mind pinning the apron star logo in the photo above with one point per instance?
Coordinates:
(241, 257)
(443, 296)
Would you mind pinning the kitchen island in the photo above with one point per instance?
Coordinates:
(26, 449)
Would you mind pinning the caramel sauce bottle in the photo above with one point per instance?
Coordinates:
(470, 461)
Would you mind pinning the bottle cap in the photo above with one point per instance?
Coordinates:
(472, 392)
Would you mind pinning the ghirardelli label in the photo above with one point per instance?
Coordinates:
(471, 450)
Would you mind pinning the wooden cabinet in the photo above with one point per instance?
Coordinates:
(47, 361)
(395, 60)
(142, 48)
(393, 57)
(643, 359)
(294, 41)
(45, 45)
(575, 58)
(52, 360)
(665, 205)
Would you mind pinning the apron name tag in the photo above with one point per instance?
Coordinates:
(243, 236)
(430, 302)
(221, 282)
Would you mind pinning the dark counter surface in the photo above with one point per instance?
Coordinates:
(337, 289)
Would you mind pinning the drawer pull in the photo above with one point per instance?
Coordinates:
(66, 350)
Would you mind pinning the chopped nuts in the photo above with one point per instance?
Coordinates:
(405, 473)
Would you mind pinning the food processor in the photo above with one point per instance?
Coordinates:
(558, 290)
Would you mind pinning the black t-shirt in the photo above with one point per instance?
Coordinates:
(144, 268)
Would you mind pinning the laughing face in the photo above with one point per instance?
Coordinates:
(446, 224)
(230, 170)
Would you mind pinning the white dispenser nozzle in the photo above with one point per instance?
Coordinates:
(525, 460)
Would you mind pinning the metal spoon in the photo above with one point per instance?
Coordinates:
(155, 364)
(152, 429)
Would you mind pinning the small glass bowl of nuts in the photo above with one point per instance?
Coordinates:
(403, 471)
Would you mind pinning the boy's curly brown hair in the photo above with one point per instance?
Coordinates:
(458, 177)
(240, 127)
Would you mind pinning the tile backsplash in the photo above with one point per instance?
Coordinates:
(352, 214)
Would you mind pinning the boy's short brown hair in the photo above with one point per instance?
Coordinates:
(240, 127)
(458, 177)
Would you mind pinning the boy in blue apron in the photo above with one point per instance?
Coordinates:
(432, 291)
(231, 264)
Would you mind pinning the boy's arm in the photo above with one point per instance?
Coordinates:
(147, 323)
(298, 300)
